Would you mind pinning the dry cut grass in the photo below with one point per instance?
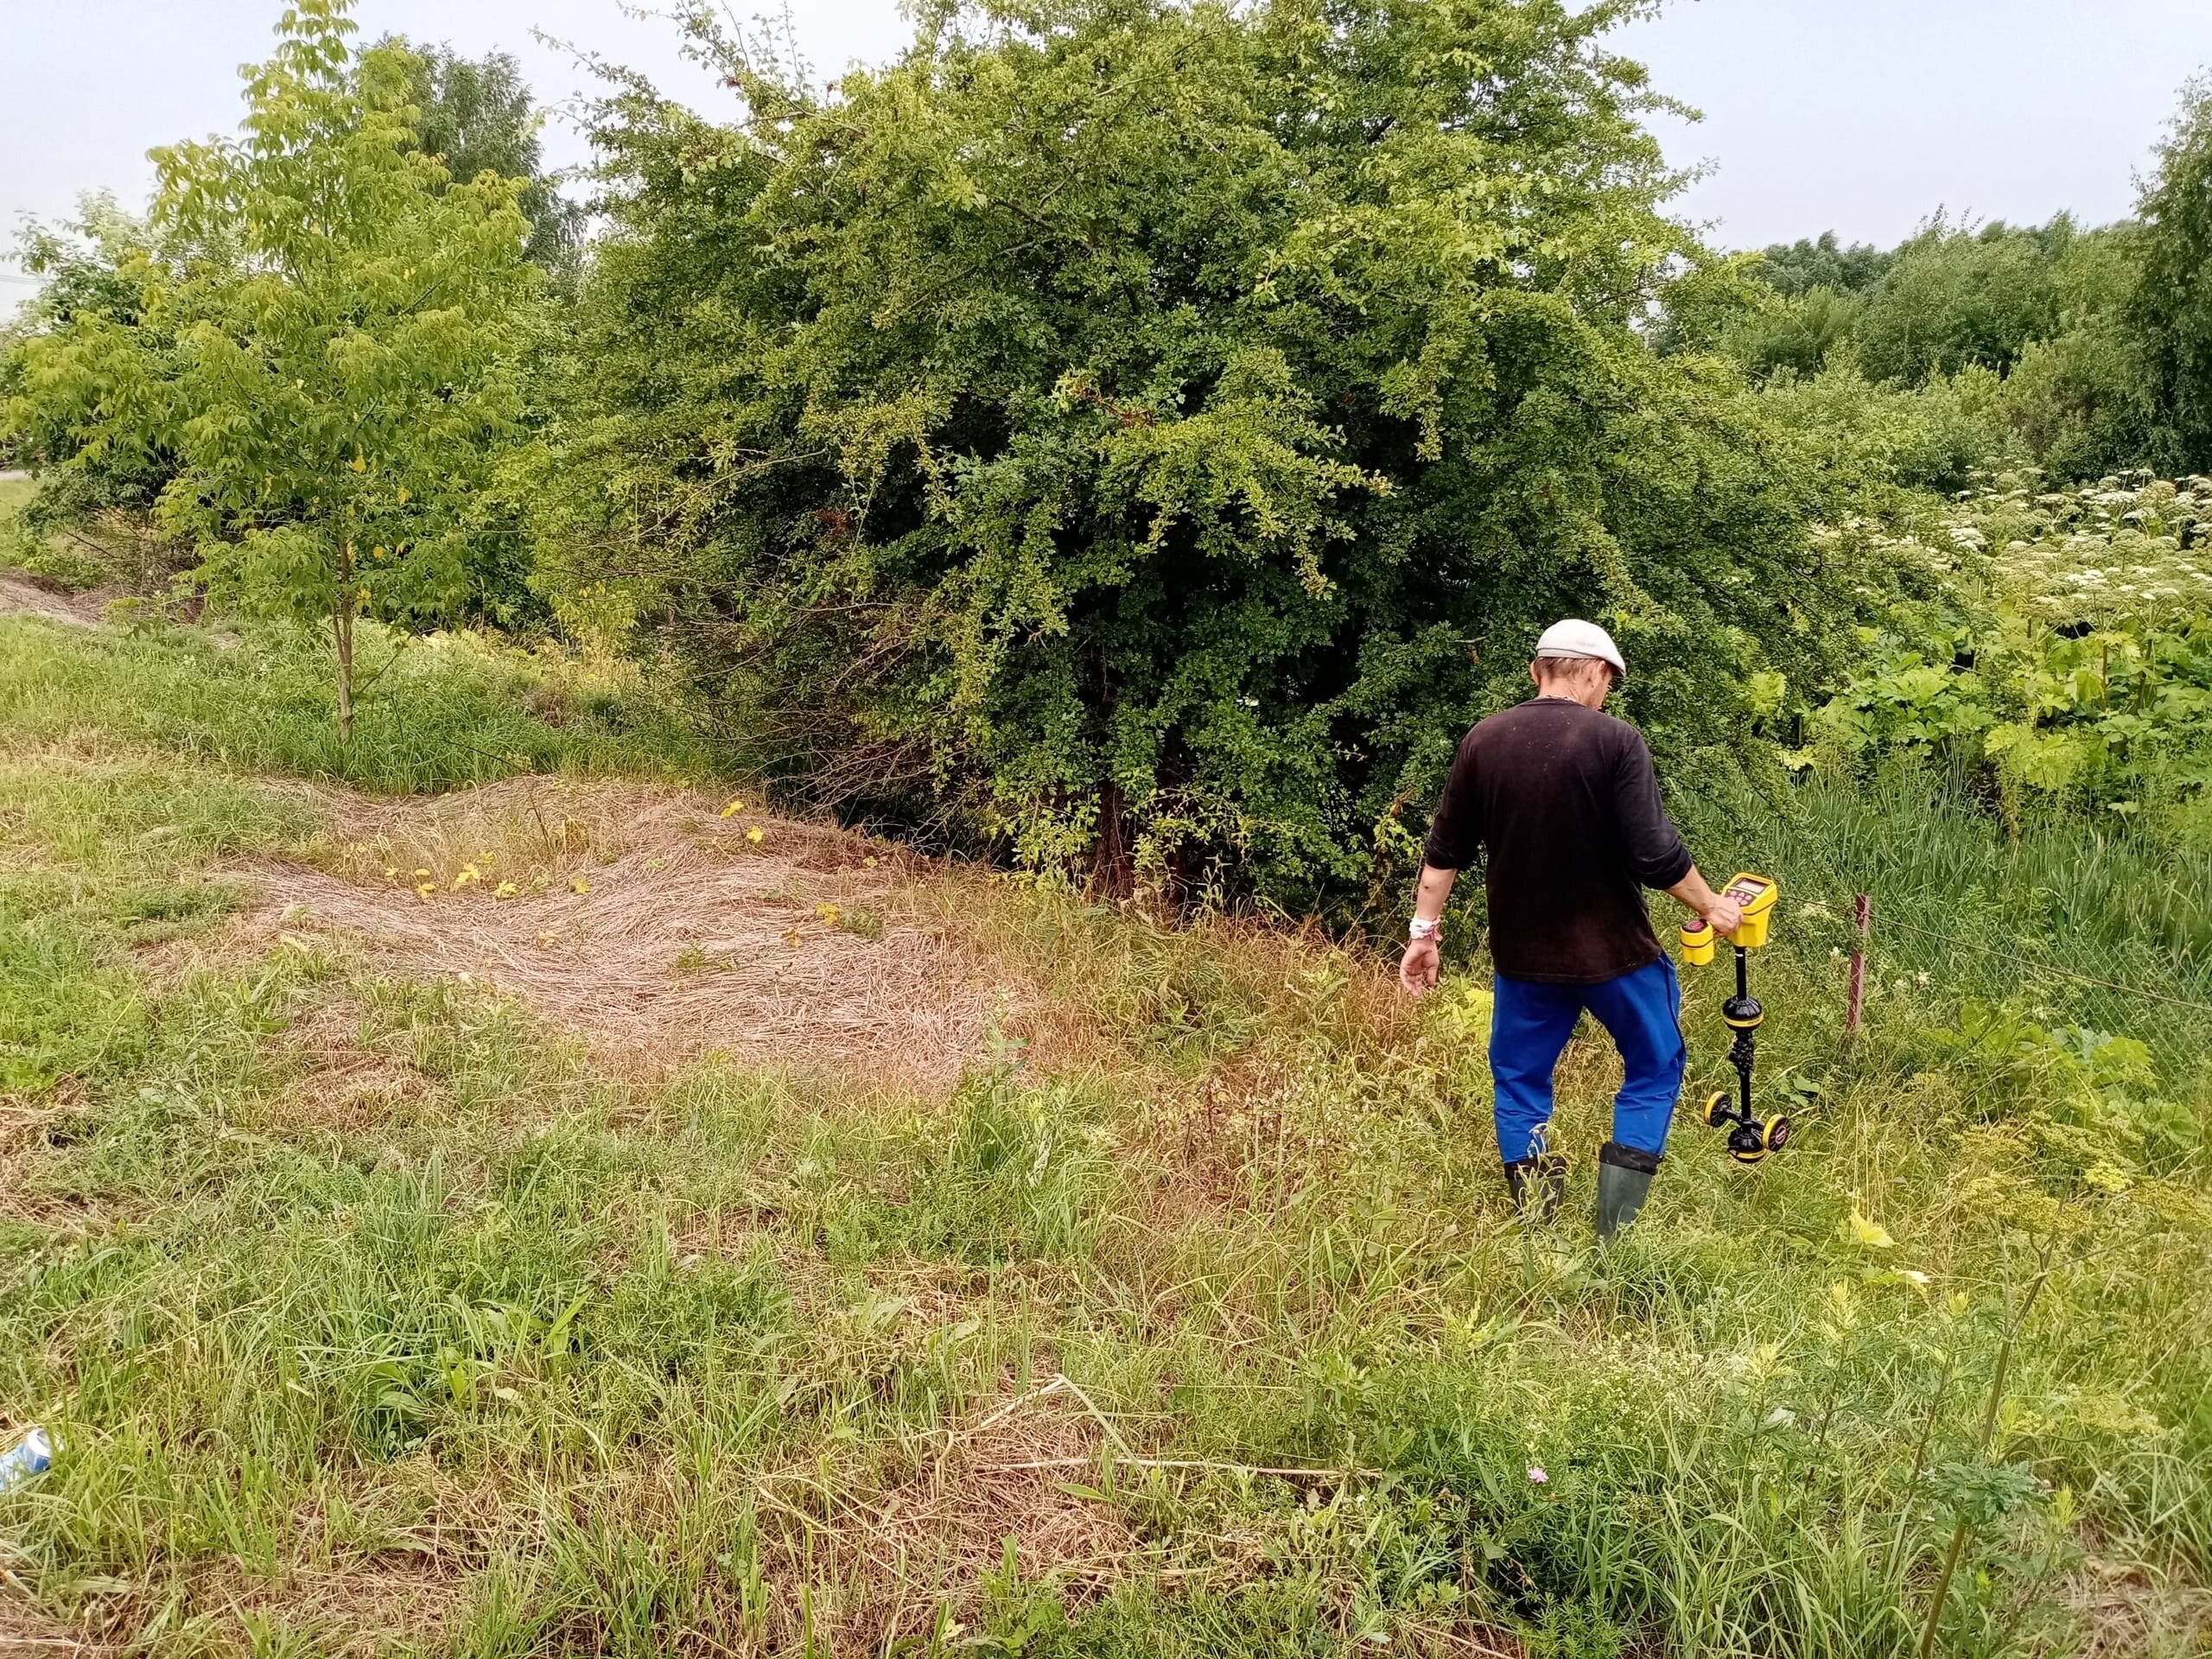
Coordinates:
(650, 923)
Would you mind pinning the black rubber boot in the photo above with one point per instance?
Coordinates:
(1538, 1185)
(1624, 1182)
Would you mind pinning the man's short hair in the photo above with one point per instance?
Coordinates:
(1547, 667)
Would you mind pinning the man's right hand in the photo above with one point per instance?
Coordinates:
(1721, 913)
(1417, 973)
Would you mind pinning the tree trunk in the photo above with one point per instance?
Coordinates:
(1113, 862)
(341, 632)
(1114, 865)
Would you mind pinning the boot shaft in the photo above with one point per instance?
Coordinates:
(1624, 1182)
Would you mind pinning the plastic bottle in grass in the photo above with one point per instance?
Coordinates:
(31, 1457)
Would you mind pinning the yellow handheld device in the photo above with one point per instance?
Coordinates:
(1697, 942)
(1755, 895)
(1749, 1140)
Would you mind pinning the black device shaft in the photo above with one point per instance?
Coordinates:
(1741, 1051)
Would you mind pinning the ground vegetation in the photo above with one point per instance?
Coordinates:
(497, 1162)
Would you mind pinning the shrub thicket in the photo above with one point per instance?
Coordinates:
(1155, 431)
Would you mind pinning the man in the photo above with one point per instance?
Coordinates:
(1563, 798)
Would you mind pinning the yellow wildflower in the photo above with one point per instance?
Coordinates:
(755, 835)
(469, 876)
(733, 808)
(426, 889)
(505, 890)
(577, 884)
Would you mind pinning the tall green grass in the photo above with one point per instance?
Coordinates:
(436, 714)
(2086, 920)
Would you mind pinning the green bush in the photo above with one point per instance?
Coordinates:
(1146, 435)
(1874, 439)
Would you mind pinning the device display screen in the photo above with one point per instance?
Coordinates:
(1748, 890)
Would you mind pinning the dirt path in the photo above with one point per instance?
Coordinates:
(21, 595)
(642, 917)
(655, 927)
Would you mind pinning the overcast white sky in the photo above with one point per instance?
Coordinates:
(1860, 115)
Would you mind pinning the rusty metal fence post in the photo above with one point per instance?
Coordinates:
(1862, 916)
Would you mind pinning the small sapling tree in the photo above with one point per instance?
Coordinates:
(326, 344)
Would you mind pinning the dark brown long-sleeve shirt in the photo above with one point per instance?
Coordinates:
(1564, 800)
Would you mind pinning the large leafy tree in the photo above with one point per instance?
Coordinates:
(1953, 296)
(477, 115)
(322, 344)
(1155, 430)
(2172, 305)
(83, 267)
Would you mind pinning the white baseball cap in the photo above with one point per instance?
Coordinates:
(1576, 638)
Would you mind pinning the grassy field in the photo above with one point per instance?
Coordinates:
(377, 1311)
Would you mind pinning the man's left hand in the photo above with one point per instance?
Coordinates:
(1418, 972)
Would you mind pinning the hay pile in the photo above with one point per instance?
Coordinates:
(650, 923)
(883, 1558)
(23, 595)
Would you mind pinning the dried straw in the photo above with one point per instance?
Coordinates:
(691, 937)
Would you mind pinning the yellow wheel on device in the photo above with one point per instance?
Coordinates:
(1716, 1108)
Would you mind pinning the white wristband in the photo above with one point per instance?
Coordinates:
(1424, 930)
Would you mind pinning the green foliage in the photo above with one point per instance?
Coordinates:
(476, 115)
(2172, 310)
(1800, 267)
(2083, 402)
(1948, 298)
(2070, 656)
(323, 343)
(1798, 333)
(2026, 331)
(1150, 434)
(87, 270)
(1953, 296)
(1868, 439)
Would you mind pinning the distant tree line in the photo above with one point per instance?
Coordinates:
(2080, 350)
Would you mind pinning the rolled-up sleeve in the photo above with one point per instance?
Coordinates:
(1455, 833)
(1656, 855)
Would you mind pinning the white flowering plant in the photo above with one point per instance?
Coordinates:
(2067, 655)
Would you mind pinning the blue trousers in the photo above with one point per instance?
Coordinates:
(1529, 1026)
